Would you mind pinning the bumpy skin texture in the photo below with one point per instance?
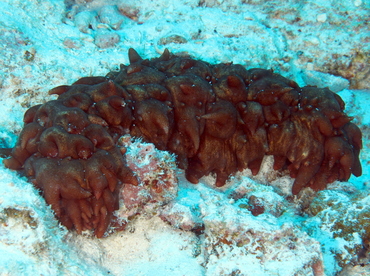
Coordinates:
(216, 118)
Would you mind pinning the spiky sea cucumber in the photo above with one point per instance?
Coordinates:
(216, 118)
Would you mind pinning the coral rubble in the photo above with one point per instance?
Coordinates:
(231, 237)
(341, 218)
(216, 119)
(155, 170)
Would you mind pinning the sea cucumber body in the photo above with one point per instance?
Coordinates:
(216, 118)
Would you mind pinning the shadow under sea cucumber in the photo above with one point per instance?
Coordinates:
(216, 118)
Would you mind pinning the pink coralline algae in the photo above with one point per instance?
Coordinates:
(155, 170)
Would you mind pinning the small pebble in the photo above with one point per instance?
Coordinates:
(309, 66)
(111, 16)
(321, 17)
(357, 3)
(177, 39)
(72, 43)
(86, 21)
(30, 55)
(106, 39)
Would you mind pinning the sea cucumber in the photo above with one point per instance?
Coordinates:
(215, 118)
